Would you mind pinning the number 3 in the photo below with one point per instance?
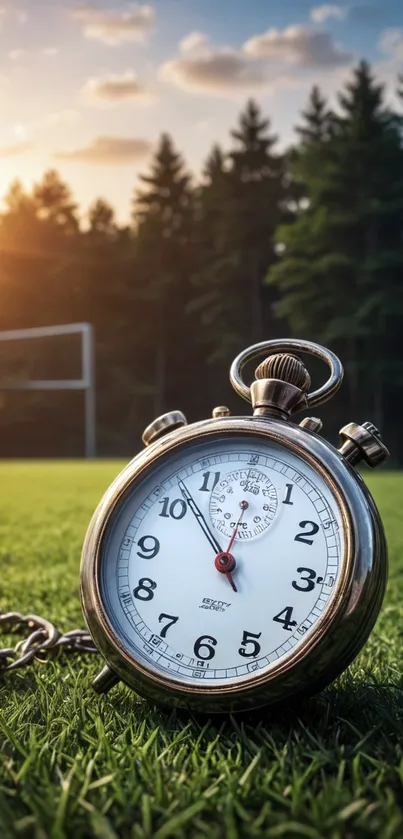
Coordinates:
(310, 579)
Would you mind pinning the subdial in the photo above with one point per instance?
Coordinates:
(236, 487)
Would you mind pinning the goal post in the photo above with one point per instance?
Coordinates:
(86, 383)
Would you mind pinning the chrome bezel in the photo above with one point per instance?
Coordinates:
(338, 635)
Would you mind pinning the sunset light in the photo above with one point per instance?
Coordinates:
(88, 88)
(201, 402)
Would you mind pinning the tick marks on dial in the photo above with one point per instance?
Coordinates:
(191, 488)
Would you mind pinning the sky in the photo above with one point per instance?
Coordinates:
(88, 88)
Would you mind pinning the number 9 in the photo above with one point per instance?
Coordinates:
(148, 552)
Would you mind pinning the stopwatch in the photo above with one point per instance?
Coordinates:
(239, 561)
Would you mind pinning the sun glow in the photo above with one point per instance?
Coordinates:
(11, 171)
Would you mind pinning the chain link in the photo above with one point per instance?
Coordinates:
(44, 639)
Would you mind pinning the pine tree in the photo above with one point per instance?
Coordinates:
(340, 272)
(168, 196)
(164, 215)
(240, 204)
(102, 222)
(318, 119)
(256, 207)
(213, 193)
(36, 232)
(55, 204)
(316, 129)
(18, 222)
(213, 299)
(215, 164)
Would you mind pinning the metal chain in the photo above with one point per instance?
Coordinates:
(43, 639)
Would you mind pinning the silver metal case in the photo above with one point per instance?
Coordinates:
(340, 632)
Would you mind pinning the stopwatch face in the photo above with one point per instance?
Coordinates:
(183, 611)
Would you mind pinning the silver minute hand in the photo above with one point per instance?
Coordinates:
(199, 517)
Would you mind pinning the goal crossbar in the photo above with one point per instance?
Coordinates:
(86, 383)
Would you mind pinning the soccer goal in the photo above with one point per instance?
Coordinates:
(86, 382)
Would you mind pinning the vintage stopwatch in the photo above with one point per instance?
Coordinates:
(238, 561)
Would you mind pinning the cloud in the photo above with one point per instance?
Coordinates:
(322, 13)
(114, 27)
(298, 45)
(215, 71)
(357, 13)
(115, 88)
(193, 42)
(16, 149)
(51, 52)
(264, 61)
(16, 54)
(109, 150)
(391, 43)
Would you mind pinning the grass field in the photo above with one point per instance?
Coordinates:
(76, 765)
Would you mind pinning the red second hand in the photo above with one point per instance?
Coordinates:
(225, 562)
(244, 506)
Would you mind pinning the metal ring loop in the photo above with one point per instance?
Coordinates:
(323, 393)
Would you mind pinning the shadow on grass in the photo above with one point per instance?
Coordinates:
(350, 712)
(327, 752)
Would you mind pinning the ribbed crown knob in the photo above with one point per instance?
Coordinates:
(287, 368)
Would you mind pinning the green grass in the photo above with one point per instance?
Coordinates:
(76, 765)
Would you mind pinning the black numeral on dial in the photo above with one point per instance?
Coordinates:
(287, 499)
(145, 589)
(309, 579)
(208, 485)
(171, 620)
(175, 510)
(203, 644)
(249, 638)
(149, 547)
(302, 537)
(285, 617)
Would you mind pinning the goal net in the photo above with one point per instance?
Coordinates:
(44, 360)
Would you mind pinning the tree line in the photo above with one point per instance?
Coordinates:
(305, 243)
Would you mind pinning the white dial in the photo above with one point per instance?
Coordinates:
(195, 600)
(251, 488)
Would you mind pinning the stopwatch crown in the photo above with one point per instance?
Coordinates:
(286, 368)
(282, 382)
